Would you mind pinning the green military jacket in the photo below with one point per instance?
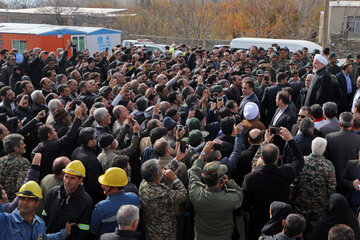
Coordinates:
(213, 207)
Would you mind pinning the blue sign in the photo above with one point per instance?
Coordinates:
(103, 43)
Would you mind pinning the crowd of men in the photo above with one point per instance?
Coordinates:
(192, 143)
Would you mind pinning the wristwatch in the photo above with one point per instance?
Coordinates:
(203, 154)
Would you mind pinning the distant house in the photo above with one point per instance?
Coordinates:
(50, 37)
(64, 15)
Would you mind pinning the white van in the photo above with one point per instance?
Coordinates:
(292, 45)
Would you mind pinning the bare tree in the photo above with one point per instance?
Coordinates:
(58, 10)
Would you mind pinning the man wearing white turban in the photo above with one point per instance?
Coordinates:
(321, 89)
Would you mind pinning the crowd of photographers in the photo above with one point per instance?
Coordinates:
(192, 143)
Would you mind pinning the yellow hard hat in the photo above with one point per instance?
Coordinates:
(114, 177)
(30, 189)
(75, 168)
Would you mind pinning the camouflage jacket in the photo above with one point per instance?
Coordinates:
(158, 203)
(314, 186)
(13, 170)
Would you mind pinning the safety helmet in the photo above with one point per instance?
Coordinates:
(30, 189)
(75, 168)
(114, 177)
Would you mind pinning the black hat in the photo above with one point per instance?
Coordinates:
(105, 140)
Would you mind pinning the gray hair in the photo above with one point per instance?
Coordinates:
(346, 119)
(35, 94)
(150, 169)
(126, 215)
(318, 146)
(54, 104)
(11, 141)
(99, 114)
(35, 49)
(117, 75)
(306, 126)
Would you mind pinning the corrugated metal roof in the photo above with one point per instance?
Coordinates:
(47, 29)
(344, 3)
(69, 11)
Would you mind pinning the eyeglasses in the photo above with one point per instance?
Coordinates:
(302, 116)
(13, 59)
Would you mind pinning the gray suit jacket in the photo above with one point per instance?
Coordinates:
(331, 125)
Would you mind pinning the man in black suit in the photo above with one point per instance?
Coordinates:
(346, 85)
(8, 104)
(39, 102)
(342, 146)
(284, 116)
(249, 95)
(117, 60)
(244, 162)
(304, 112)
(351, 182)
(269, 182)
(235, 92)
(268, 104)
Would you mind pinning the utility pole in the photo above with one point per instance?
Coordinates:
(325, 24)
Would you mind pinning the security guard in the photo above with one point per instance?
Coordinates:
(69, 203)
(215, 201)
(22, 223)
(103, 218)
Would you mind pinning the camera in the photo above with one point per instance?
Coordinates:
(274, 130)
(266, 78)
(217, 146)
(72, 44)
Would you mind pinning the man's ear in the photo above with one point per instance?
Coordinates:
(283, 223)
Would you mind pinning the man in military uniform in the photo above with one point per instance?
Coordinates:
(283, 63)
(333, 67)
(13, 166)
(158, 201)
(219, 194)
(315, 184)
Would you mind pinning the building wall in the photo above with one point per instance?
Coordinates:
(338, 20)
(41, 18)
(344, 46)
(46, 43)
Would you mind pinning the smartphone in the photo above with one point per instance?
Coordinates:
(182, 146)
(106, 49)
(274, 130)
(24, 119)
(217, 146)
(266, 78)
(86, 64)
(219, 99)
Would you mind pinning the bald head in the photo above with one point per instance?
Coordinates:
(255, 136)
(59, 164)
(161, 147)
(121, 113)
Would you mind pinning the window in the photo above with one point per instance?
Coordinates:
(19, 45)
(79, 41)
(353, 24)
